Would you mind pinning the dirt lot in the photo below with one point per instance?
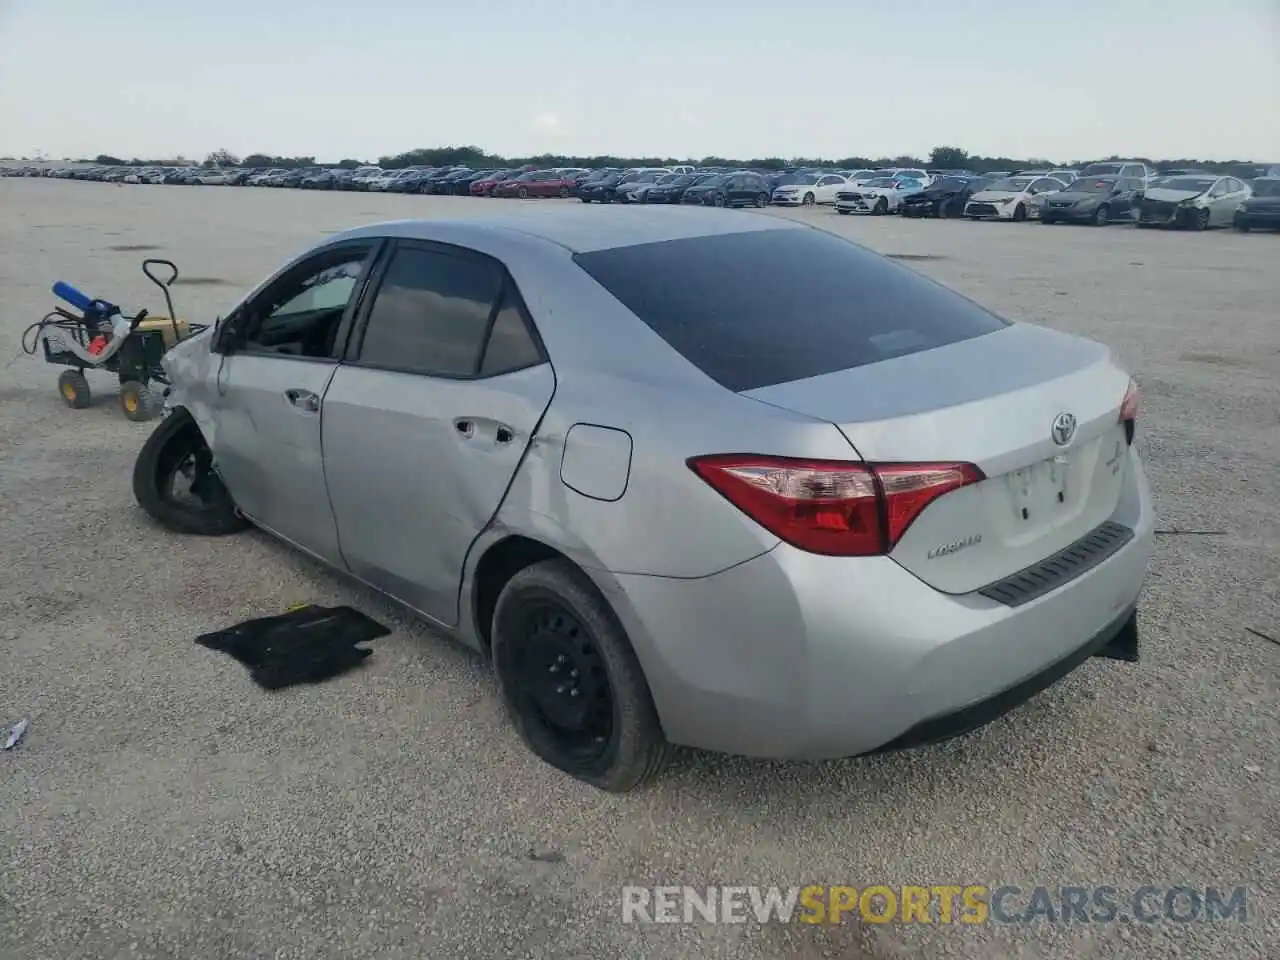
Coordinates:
(161, 806)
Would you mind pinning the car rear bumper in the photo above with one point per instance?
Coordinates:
(994, 211)
(798, 656)
(1265, 220)
(1070, 214)
(864, 205)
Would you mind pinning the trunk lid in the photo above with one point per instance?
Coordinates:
(991, 401)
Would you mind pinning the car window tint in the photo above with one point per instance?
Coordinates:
(300, 316)
(431, 313)
(510, 346)
(770, 306)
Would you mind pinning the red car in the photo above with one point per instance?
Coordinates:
(485, 185)
(537, 183)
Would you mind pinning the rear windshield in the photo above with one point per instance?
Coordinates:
(1198, 184)
(1089, 185)
(771, 306)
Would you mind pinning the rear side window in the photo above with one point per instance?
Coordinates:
(511, 346)
(431, 314)
(771, 306)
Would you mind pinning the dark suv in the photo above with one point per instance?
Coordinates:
(742, 189)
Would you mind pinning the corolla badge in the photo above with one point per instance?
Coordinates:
(947, 549)
(1063, 429)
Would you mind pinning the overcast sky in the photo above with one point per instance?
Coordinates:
(1064, 80)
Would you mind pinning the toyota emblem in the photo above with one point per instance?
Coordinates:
(1063, 429)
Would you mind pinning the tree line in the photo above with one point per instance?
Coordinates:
(940, 158)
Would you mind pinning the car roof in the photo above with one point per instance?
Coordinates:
(579, 229)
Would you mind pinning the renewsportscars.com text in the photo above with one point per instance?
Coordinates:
(936, 904)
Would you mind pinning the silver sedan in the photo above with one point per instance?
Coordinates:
(686, 476)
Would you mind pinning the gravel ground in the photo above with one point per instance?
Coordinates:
(162, 806)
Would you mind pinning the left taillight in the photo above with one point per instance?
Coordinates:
(1129, 410)
(832, 507)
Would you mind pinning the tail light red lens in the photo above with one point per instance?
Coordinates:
(1129, 410)
(832, 507)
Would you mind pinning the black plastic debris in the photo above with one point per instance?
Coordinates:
(308, 644)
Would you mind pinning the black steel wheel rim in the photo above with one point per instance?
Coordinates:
(559, 685)
(184, 474)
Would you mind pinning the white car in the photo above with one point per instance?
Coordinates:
(910, 173)
(1013, 198)
(363, 176)
(388, 178)
(217, 178)
(860, 176)
(259, 178)
(879, 196)
(807, 189)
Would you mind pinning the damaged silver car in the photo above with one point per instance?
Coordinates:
(686, 476)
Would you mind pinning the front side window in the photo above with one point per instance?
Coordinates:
(301, 315)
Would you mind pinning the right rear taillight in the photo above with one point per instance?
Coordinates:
(1129, 411)
(832, 507)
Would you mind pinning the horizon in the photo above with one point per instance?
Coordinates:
(522, 80)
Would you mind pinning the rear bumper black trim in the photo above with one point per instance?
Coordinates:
(1117, 641)
(1033, 582)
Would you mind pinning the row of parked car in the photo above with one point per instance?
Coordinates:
(1097, 194)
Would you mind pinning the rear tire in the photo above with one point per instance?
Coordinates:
(570, 680)
(74, 389)
(175, 446)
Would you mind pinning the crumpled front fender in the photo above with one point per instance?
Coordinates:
(192, 368)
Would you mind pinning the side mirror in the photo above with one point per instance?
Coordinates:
(227, 334)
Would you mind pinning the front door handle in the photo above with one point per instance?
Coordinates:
(304, 400)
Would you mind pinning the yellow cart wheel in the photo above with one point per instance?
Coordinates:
(136, 402)
(74, 389)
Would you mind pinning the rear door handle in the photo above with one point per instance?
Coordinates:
(470, 429)
(304, 400)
